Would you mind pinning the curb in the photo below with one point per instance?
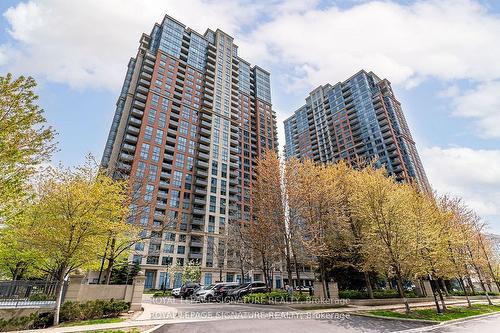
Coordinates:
(436, 324)
(423, 321)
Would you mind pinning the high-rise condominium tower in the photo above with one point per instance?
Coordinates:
(357, 118)
(191, 119)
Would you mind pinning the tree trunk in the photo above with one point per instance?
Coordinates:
(493, 276)
(368, 284)
(59, 292)
(431, 281)
(462, 284)
(471, 285)
(443, 304)
(111, 261)
(443, 286)
(297, 272)
(401, 291)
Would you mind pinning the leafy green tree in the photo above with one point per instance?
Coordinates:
(69, 219)
(191, 272)
(25, 139)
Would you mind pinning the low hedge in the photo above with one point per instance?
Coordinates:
(76, 311)
(70, 311)
(356, 294)
(166, 293)
(479, 293)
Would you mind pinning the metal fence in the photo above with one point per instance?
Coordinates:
(27, 294)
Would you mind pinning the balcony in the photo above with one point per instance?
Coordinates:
(130, 138)
(197, 221)
(137, 112)
(201, 182)
(195, 255)
(129, 148)
(203, 156)
(198, 211)
(126, 157)
(133, 130)
(202, 165)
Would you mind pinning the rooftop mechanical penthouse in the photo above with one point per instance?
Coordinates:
(190, 122)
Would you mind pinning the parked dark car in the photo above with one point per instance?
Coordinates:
(188, 289)
(247, 288)
(222, 291)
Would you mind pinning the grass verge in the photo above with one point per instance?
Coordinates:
(430, 314)
(92, 322)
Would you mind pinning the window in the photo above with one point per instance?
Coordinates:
(187, 184)
(223, 187)
(192, 146)
(181, 144)
(148, 133)
(162, 120)
(213, 185)
(139, 246)
(151, 116)
(141, 167)
(153, 169)
(170, 236)
(174, 199)
(177, 180)
(145, 151)
(156, 154)
(148, 195)
(184, 128)
(181, 249)
(208, 279)
(179, 161)
(166, 261)
(159, 137)
(213, 202)
(168, 248)
(214, 168)
(222, 206)
(190, 163)
(137, 259)
(186, 201)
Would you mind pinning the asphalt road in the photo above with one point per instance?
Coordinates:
(347, 325)
(222, 318)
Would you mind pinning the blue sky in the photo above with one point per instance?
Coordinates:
(443, 58)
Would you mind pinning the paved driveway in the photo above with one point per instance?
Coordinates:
(222, 318)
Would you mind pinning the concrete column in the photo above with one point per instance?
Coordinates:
(318, 290)
(333, 287)
(137, 290)
(427, 288)
(75, 283)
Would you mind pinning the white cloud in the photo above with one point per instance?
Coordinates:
(471, 174)
(87, 43)
(405, 43)
(481, 104)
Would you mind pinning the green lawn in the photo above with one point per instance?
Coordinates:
(430, 314)
(131, 330)
(92, 322)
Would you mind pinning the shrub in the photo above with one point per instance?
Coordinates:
(74, 311)
(390, 293)
(165, 293)
(481, 293)
(17, 323)
(42, 297)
